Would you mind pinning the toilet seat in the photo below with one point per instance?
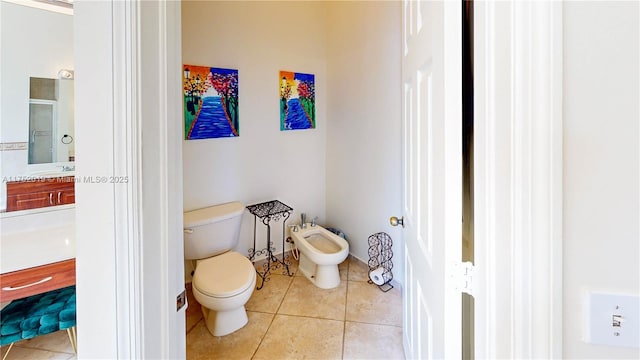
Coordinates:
(223, 276)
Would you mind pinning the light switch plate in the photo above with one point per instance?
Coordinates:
(613, 319)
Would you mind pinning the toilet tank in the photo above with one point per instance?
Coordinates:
(212, 230)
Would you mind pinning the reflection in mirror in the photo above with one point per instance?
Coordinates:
(51, 119)
(42, 116)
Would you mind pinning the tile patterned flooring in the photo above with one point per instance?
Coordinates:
(54, 346)
(289, 318)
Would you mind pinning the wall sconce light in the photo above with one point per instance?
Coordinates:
(65, 74)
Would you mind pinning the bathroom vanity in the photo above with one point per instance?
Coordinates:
(26, 282)
(40, 192)
(37, 215)
(38, 252)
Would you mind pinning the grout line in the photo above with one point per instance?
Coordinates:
(24, 344)
(309, 317)
(261, 312)
(344, 336)
(263, 336)
(346, 294)
(291, 278)
(273, 318)
(194, 325)
(379, 324)
(346, 303)
(45, 350)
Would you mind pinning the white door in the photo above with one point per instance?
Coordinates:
(432, 165)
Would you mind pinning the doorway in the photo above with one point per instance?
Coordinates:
(467, 172)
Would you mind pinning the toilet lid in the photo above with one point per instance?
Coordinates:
(224, 275)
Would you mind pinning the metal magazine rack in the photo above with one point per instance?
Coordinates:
(380, 254)
(267, 212)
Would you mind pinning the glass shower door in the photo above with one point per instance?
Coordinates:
(42, 115)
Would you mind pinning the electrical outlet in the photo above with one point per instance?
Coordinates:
(613, 319)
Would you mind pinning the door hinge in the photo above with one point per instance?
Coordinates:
(181, 300)
(464, 272)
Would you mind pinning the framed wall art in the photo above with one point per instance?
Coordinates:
(297, 101)
(210, 102)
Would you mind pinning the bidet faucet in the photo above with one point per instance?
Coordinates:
(303, 220)
(294, 228)
(313, 221)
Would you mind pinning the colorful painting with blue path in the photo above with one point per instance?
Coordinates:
(210, 102)
(297, 101)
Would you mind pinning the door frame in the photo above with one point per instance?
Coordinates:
(518, 179)
(128, 211)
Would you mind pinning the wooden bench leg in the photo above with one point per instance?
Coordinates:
(7, 353)
(72, 338)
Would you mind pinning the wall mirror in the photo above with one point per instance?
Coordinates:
(51, 119)
(36, 92)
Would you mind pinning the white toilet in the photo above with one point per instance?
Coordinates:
(223, 280)
(320, 253)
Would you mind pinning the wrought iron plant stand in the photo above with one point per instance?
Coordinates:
(267, 212)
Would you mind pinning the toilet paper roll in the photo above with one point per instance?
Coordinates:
(376, 276)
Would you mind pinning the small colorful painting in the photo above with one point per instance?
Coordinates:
(210, 102)
(297, 101)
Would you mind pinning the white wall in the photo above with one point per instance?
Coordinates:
(65, 111)
(364, 130)
(354, 51)
(259, 39)
(28, 50)
(601, 162)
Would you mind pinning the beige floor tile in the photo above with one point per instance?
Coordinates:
(293, 337)
(56, 342)
(20, 353)
(309, 323)
(293, 263)
(241, 344)
(306, 299)
(368, 304)
(343, 268)
(371, 341)
(261, 265)
(268, 298)
(193, 313)
(358, 270)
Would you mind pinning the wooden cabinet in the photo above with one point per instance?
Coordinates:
(36, 280)
(37, 193)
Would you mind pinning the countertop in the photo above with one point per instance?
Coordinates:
(35, 247)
